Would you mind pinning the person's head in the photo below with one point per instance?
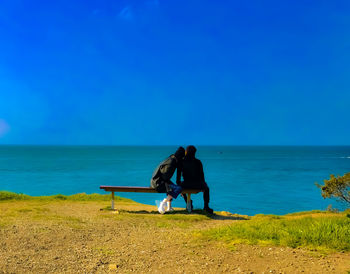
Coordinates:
(190, 151)
(180, 153)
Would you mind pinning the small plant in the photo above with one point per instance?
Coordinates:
(331, 209)
(337, 187)
(347, 212)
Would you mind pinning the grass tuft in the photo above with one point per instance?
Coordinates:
(305, 212)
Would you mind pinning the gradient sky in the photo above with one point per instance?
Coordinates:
(175, 72)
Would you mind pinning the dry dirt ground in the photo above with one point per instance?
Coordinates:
(79, 237)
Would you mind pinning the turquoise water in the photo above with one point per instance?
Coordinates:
(245, 180)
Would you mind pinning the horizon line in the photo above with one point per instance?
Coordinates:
(172, 145)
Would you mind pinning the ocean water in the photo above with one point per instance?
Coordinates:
(242, 179)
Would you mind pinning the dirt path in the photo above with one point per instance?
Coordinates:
(78, 237)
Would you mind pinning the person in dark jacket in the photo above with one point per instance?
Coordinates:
(161, 179)
(191, 169)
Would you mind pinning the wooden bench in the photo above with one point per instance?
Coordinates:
(114, 189)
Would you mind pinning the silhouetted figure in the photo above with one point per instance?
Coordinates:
(191, 170)
(161, 179)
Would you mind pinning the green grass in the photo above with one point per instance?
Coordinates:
(331, 232)
(7, 196)
(305, 213)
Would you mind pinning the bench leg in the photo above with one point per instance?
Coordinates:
(188, 206)
(112, 200)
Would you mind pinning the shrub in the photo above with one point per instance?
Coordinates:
(337, 187)
(7, 195)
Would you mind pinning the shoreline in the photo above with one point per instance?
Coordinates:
(9, 195)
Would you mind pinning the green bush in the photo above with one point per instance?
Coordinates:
(6, 195)
(337, 187)
(59, 197)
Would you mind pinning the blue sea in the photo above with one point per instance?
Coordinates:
(242, 179)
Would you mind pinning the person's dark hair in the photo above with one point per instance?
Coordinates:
(180, 153)
(190, 152)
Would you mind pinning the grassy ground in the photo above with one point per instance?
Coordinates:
(321, 231)
(79, 234)
(7, 196)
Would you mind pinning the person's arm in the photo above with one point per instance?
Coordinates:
(178, 174)
(201, 172)
(168, 170)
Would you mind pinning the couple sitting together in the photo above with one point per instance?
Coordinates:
(190, 168)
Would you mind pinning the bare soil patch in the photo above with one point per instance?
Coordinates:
(79, 237)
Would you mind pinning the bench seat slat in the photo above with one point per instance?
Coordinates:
(142, 189)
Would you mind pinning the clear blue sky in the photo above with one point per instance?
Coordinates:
(175, 72)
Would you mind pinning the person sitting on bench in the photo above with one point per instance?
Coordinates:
(161, 179)
(191, 170)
